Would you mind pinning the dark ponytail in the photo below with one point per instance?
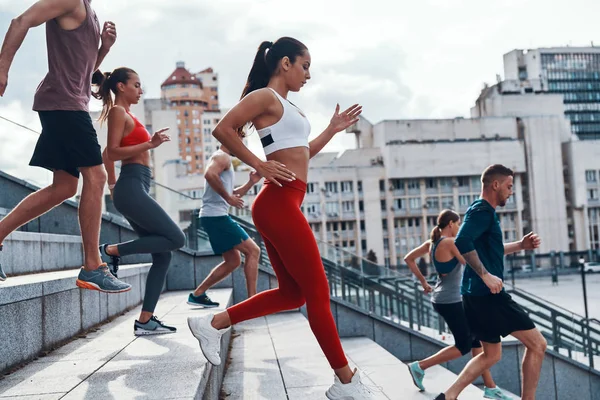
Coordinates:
(107, 83)
(443, 220)
(267, 60)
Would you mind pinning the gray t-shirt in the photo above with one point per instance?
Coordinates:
(447, 287)
(213, 205)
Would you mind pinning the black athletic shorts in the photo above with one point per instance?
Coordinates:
(68, 142)
(495, 315)
(455, 318)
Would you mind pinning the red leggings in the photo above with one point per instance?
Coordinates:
(297, 263)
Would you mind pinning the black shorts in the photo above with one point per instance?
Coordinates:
(455, 318)
(68, 142)
(495, 315)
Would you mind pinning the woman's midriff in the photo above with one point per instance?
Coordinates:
(295, 159)
(143, 159)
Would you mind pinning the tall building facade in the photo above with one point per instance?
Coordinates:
(192, 96)
(573, 72)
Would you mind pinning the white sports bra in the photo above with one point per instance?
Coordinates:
(292, 130)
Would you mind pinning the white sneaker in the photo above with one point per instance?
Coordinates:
(209, 337)
(355, 390)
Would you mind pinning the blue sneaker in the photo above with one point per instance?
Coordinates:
(201, 301)
(152, 327)
(101, 280)
(2, 274)
(494, 393)
(417, 375)
(113, 260)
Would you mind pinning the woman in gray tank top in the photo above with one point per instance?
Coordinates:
(447, 300)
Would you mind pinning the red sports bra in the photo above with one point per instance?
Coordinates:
(138, 135)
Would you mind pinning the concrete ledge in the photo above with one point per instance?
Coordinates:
(41, 311)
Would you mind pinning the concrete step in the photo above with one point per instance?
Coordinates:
(42, 310)
(30, 252)
(392, 375)
(278, 357)
(111, 363)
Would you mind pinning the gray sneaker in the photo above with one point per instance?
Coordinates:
(101, 280)
(153, 327)
(2, 274)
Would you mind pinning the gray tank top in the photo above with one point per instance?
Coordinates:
(213, 205)
(72, 56)
(447, 287)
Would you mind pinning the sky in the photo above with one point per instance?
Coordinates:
(399, 59)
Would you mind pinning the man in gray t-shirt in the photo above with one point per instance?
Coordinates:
(68, 144)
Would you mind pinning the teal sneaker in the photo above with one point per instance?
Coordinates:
(201, 301)
(417, 375)
(2, 274)
(101, 280)
(152, 327)
(494, 393)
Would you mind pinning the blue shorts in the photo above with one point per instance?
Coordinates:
(223, 233)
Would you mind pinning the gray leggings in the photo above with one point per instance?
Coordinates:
(159, 235)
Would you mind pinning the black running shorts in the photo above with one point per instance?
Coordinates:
(68, 142)
(495, 315)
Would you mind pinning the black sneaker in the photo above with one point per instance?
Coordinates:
(112, 261)
(152, 327)
(2, 274)
(441, 396)
(201, 301)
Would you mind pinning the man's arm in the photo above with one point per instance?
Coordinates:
(37, 14)
(253, 179)
(529, 242)
(109, 37)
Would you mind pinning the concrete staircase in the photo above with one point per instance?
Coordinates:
(277, 357)
(111, 363)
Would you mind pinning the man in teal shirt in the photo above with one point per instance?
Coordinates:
(490, 311)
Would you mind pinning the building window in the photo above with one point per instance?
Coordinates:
(413, 184)
(207, 122)
(331, 207)
(312, 187)
(414, 203)
(347, 187)
(433, 202)
(313, 208)
(463, 181)
(593, 194)
(400, 204)
(381, 185)
(590, 176)
(447, 202)
(396, 184)
(347, 206)
(331, 187)
(361, 205)
(430, 183)
(464, 200)
(384, 224)
(382, 202)
(359, 186)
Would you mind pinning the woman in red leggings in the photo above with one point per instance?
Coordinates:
(279, 68)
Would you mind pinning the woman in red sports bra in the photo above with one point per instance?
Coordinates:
(130, 142)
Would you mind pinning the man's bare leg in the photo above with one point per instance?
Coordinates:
(535, 348)
(38, 203)
(492, 353)
(231, 260)
(90, 214)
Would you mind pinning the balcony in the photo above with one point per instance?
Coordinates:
(399, 212)
(347, 195)
(415, 211)
(349, 215)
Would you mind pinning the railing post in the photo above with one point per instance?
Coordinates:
(555, 333)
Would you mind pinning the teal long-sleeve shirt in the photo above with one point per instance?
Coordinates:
(481, 231)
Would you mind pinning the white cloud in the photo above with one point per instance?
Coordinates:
(425, 59)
